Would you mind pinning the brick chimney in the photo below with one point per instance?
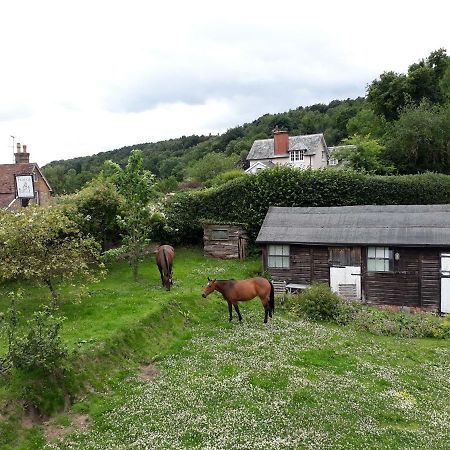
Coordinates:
(22, 156)
(280, 142)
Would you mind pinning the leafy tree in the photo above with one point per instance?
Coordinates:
(364, 123)
(210, 166)
(95, 208)
(136, 186)
(420, 140)
(45, 245)
(388, 94)
(365, 154)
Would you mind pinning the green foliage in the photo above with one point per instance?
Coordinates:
(95, 209)
(368, 155)
(392, 92)
(247, 199)
(225, 177)
(388, 323)
(318, 302)
(135, 184)
(167, 185)
(44, 245)
(210, 166)
(37, 347)
(420, 140)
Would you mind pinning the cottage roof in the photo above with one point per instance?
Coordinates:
(7, 180)
(263, 148)
(409, 225)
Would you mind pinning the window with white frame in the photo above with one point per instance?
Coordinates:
(278, 257)
(380, 259)
(297, 155)
(333, 162)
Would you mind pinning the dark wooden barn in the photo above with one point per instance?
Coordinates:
(390, 255)
(225, 240)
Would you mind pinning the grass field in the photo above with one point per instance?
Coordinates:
(290, 384)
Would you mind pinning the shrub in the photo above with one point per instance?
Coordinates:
(38, 348)
(318, 302)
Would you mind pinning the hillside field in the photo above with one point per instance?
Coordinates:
(160, 370)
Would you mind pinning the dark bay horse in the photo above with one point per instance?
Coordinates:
(235, 291)
(164, 261)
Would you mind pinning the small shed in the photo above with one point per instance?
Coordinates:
(225, 240)
(388, 254)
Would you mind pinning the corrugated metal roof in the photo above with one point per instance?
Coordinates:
(415, 225)
(263, 148)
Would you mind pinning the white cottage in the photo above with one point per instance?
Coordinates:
(308, 151)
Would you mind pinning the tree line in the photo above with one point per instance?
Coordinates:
(401, 126)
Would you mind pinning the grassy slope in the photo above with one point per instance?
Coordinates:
(291, 384)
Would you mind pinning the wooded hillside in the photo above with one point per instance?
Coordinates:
(407, 114)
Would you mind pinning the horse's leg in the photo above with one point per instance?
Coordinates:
(162, 275)
(236, 308)
(267, 311)
(230, 310)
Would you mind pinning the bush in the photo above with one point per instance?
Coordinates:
(39, 347)
(318, 302)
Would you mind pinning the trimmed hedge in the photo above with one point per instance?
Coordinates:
(247, 199)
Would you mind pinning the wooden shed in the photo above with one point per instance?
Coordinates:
(389, 255)
(225, 240)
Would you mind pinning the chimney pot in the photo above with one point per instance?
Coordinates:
(24, 148)
(18, 147)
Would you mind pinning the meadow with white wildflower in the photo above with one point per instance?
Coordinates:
(287, 385)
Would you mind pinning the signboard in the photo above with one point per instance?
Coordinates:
(25, 186)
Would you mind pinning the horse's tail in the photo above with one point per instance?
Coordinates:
(272, 297)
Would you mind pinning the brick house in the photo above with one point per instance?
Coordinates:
(23, 183)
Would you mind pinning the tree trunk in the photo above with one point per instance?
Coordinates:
(55, 296)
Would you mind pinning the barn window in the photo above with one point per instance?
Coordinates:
(380, 259)
(278, 257)
(219, 234)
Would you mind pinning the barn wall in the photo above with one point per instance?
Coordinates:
(415, 280)
(307, 264)
(233, 247)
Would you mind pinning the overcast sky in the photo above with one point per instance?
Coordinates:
(82, 77)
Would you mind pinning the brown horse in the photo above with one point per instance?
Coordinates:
(164, 261)
(235, 291)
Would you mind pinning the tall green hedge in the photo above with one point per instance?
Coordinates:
(247, 199)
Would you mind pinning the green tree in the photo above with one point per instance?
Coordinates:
(45, 245)
(420, 140)
(365, 154)
(136, 186)
(211, 165)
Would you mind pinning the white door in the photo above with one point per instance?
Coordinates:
(445, 282)
(346, 281)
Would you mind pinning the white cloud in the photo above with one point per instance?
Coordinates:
(84, 77)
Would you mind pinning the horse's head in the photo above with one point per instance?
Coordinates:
(167, 280)
(210, 287)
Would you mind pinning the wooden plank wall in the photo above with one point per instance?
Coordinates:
(234, 247)
(307, 264)
(415, 280)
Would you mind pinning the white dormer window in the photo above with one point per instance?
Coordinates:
(297, 155)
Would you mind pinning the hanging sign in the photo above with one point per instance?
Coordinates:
(25, 186)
